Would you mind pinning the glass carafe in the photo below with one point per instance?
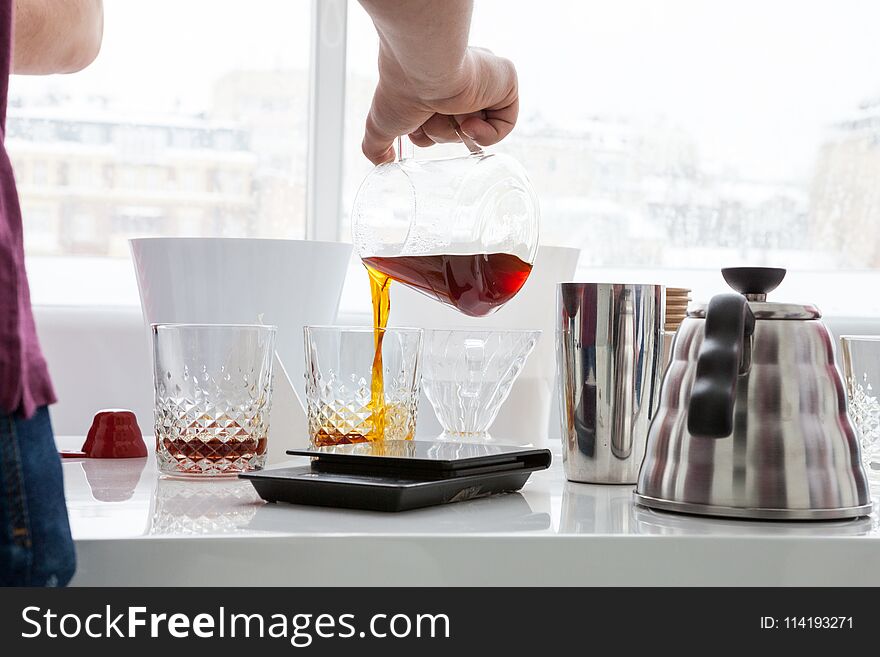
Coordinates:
(463, 230)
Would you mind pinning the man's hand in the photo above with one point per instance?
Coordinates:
(56, 36)
(427, 74)
(483, 99)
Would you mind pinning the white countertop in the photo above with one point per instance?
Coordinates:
(132, 528)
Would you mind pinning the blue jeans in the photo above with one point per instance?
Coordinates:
(36, 548)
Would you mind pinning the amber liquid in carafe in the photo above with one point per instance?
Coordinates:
(475, 284)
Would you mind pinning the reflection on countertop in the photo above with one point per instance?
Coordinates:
(595, 508)
(113, 480)
(510, 513)
(126, 498)
(650, 521)
(182, 507)
(609, 509)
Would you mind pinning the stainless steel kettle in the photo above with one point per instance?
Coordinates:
(752, 420)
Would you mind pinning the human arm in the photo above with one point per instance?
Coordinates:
(56, 36)
(427, 72)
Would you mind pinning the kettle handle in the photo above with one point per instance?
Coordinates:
(729, 321)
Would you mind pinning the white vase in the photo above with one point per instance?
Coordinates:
(288, 283)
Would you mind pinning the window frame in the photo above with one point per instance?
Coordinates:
(327, 71)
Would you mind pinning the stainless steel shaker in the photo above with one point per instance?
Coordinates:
(609, 366)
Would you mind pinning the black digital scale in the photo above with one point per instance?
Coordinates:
(397, 475)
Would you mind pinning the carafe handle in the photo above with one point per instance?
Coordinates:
(472, 146)
(405, 146)
(729, 322)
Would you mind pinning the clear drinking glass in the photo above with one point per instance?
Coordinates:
(469, 373)
(339, 397)
(213, 387)
(861, 365)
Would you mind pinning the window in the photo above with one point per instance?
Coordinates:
(42, 233)
(193, 121)
(664, 139)
(667, 139)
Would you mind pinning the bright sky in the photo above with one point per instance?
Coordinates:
(755, 82)
(157, 51)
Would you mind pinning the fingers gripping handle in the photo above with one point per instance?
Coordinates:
(729, 322)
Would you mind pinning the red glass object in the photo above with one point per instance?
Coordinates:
(115, 434)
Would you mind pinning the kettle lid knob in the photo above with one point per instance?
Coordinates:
(754, 283)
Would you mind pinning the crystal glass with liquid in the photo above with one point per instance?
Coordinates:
(213, 394)
(357, 393)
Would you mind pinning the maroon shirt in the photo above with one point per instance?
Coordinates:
(24, 378)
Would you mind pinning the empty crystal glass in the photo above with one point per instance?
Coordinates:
(468, 374)
(213, 386)
(339, 362)
(861, 365)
